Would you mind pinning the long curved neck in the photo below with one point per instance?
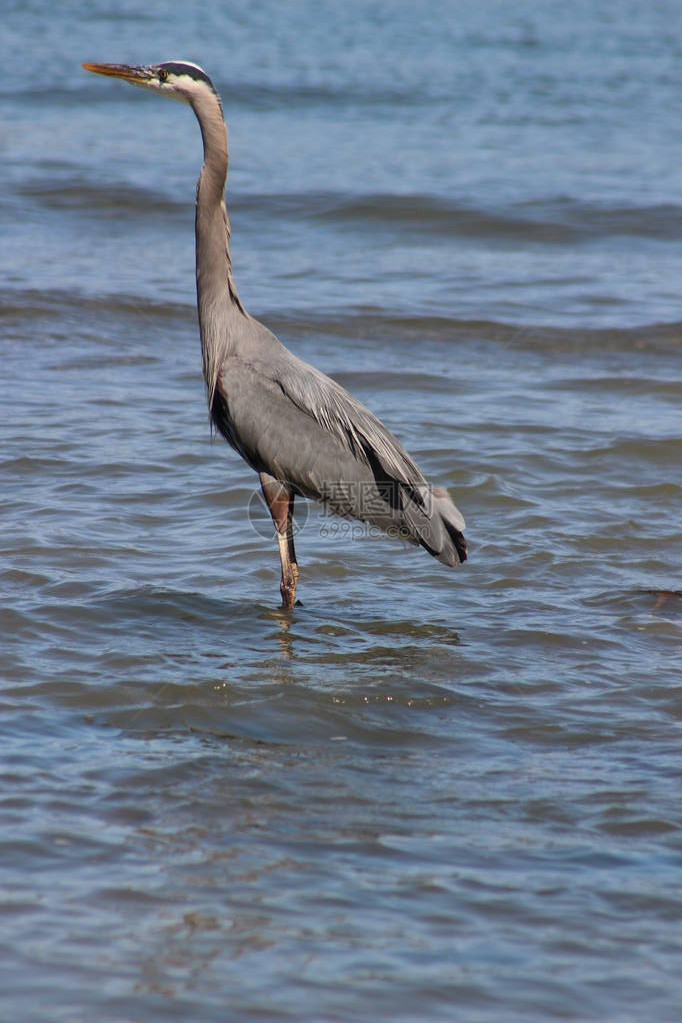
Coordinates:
(218, 302)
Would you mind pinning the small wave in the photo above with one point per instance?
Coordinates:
(114, 199)
(630, 385)
(261, 95)
(659, 601)
(593, 220)
(256, 95)
(371, 324)
(545, 221)
(659, 451)
(31, 304)
(426, 215)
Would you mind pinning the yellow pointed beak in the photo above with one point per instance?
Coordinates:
(128, 72)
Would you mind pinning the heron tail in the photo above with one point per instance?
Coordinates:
(444, 538)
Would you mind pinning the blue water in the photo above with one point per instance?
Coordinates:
(424, 795)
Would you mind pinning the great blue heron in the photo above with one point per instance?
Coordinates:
(301, 431)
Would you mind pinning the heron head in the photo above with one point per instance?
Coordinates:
(179, 79)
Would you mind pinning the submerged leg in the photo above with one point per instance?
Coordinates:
(280, 502)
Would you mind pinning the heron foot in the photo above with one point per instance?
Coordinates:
(287, 588)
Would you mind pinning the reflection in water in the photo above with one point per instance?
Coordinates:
(283, 618)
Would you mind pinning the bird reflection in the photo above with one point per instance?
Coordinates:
(283, 634)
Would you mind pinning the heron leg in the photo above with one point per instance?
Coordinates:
(280, 502)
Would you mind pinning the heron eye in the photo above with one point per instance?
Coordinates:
(163, 75)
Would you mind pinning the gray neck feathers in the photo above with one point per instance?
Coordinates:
(220, 308)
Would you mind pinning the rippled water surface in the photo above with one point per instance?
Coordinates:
(424, 795)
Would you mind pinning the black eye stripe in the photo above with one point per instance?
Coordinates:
(177, 68)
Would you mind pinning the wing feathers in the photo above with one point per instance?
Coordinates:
(344, 456)
(337, 411)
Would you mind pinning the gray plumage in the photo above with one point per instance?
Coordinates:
(299, 429)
